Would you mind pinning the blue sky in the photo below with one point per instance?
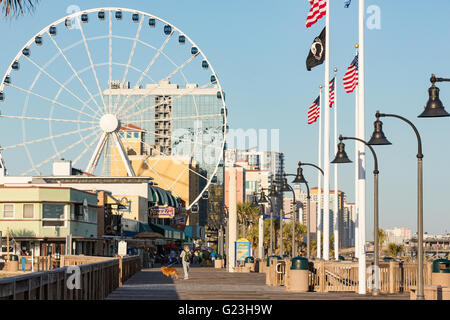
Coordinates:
(258, 49)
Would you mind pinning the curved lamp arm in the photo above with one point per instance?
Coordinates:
(310, 164)
(419, 140)
(368, 145)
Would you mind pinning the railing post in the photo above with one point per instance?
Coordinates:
(120, 271)
(391, 277)
(322, 276)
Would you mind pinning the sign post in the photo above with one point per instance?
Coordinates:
(122, 248)
(242, 250)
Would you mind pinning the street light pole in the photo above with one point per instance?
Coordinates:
(420, 279)
(308, 197)
(341, 157)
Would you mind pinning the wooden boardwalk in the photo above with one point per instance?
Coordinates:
(217, 284)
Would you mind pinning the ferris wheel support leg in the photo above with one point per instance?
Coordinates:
(97, 153)
(122, 153)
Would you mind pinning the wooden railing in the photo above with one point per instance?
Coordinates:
(343, 276)
(99, 276)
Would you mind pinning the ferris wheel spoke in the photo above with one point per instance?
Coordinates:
(155, 105)
(151, 167)
(183, 118)
(89, 146)
(174, 72)
(45, 119)
(110, 61)
(59, 153)
(183, 140)
(130, 58)
(47, 138)
(157, 54)
(75, 73)
(86, 47)
(60, 84)
(51, 100)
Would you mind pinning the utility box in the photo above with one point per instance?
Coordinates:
(441, 273)
(298, 279)
(62, 168)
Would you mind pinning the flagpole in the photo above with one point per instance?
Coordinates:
(326, 141)
(336, 194)
(362, 173)
(356, 234)
(319, 184)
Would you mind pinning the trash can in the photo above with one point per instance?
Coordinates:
(441, 272)
(249, 263)
(298, 280)
(218, 262)
(270, 269)
(13, 263)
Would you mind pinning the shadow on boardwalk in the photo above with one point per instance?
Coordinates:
(217, 284)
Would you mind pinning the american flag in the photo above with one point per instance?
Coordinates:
(351, 76)
(332, 91)
(317, 11)
(314, 111)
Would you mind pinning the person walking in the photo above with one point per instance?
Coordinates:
(185, 258)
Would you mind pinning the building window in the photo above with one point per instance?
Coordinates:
(52, 215)
(8, 211)
(136, 135)
(128, 135)
(28, 211)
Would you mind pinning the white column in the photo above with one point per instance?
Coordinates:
(232, 219)
(319, 184)
(362, 173)
(326, 143)
(261, 238)
(336, 194)
(356, 233)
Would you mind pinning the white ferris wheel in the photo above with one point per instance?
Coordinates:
(76, 85)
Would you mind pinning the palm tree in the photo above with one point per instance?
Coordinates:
(247, 216)
(394, 249)
(382, 237)
(300, 231)
(17, 7)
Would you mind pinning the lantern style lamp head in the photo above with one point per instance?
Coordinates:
(378, 137)
(434, 107)
(262, 198)
(285, 186)
(273, 191)
(299, 178)
(255, 202)
(341, 155)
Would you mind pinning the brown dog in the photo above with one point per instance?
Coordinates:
(169, 272)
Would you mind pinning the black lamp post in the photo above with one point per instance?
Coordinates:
(286, 187)
(262, 200)
(376, 141)
(341, 157)
(299, 178)
(434, 107)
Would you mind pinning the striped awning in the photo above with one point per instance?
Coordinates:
(163, 197)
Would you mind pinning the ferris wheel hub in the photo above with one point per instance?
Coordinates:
(109, 123)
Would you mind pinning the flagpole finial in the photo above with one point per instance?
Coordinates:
(320, 86)
(356, 45)
(335, 70)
